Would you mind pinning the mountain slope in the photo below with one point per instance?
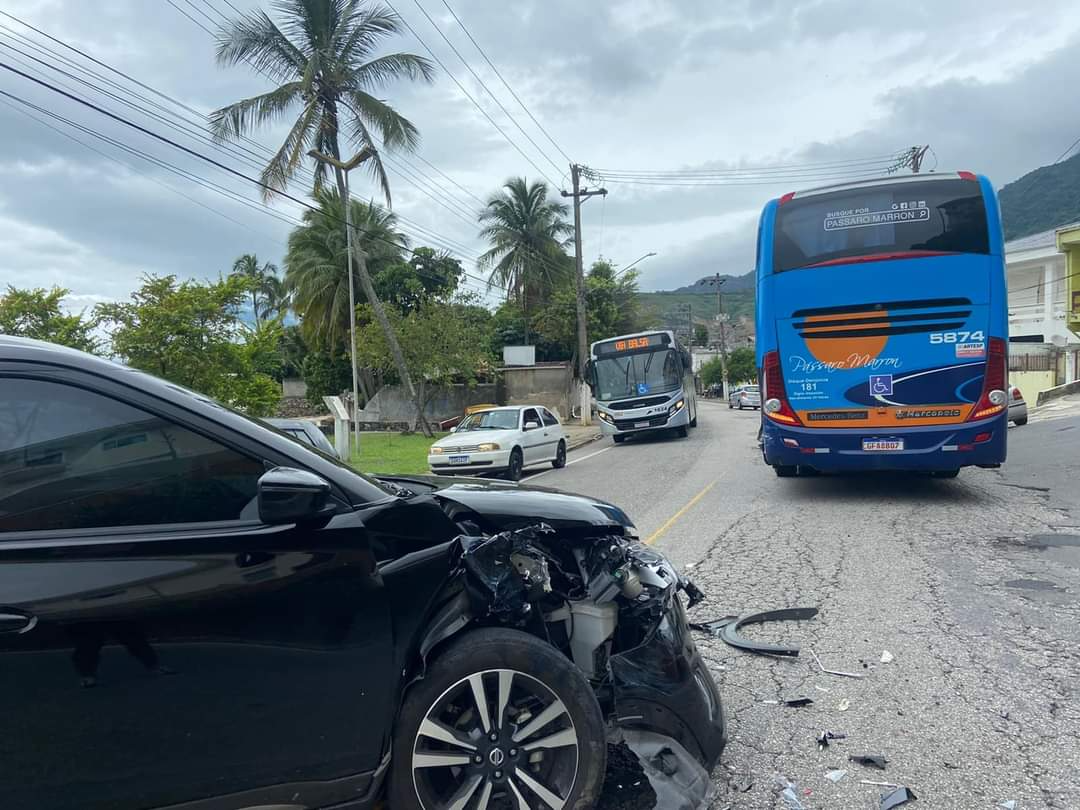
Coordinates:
(1043, 199)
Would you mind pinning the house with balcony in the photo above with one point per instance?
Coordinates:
(1043, 351)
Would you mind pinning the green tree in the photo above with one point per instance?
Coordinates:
(527, 234)
(701, 334)
(37, 313)
(442, 342)
(712, 372)
(190, 333)
(317, 258)
(427, 275)
(611, 308)
(269, 296)
(321, 52)
(326, 373)
(742, 365)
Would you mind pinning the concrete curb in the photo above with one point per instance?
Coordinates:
(581, 441)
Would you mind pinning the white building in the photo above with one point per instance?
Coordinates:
(1042, 351)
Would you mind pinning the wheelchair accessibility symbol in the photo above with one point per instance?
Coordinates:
(881, 385)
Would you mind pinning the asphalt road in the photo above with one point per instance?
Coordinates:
(971, 584)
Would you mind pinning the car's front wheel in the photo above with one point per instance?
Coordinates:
(1021, 421)
(501, 719)
(517, 462)
(560, 456)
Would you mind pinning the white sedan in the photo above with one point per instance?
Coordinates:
(503, 440)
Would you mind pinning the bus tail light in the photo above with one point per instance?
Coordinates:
(967, 175)
(993, 399)
(775, 400)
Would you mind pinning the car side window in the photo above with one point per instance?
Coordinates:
(74, 459)
(529, 416)
(549, 417)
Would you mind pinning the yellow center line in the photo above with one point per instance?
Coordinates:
(652, 538)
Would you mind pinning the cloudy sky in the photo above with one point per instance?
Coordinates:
(633, 86)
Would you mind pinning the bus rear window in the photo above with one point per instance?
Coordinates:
(940, 216)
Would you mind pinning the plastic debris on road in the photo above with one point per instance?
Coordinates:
(844, 705)
(795, 703)
(824, 737)
(833, 671)
(679, 781)
(1008, 805)
(869, 760)
(727, 629)
(895, 798)
(789, 793)
(835, 776)
(887, 657)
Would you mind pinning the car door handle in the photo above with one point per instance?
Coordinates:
(12, 622)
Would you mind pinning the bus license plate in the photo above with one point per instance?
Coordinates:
(882, 445)
(641, 424)
(458, 459)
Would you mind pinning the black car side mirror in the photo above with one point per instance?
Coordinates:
(289, 495)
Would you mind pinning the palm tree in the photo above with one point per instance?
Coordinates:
(316, 260)
(527, 234)
(322, 56)
(265, 285)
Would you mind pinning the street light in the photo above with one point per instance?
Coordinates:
(635, 261)
(345, 168)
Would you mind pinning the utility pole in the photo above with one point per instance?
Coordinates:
(917, 155)
(360, 258)
(580, 194)
(719, 282)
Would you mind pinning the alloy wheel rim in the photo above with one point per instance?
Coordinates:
(497, 739)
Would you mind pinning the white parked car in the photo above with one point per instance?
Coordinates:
(500, 440)
(1018, 410)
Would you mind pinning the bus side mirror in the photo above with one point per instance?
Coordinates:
(590, 375)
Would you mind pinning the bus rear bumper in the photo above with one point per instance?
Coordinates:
(930, 448)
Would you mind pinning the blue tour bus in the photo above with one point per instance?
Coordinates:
(882, 326)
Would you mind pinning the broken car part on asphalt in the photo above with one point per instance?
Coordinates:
(824, 737)
(833, 671)
(895, 798)
(727, 629)
(611, 605)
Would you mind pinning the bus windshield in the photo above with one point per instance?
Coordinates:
(931, 217)
(630, 375)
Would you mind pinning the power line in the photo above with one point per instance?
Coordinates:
(192, 129)
(505, 83)
(779, 167)
(187, 150)
(487, 89)
(469, 96)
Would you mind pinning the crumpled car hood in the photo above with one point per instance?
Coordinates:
(510, 506)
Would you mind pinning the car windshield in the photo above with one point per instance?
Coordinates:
(632, 375)
(490, 420)
(751, 389)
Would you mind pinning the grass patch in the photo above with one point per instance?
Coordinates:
(393, 453)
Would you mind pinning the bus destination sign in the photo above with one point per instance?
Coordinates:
(630, 344)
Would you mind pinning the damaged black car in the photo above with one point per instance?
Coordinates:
(197, 611)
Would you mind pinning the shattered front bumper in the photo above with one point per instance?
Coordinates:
(663, 686)
(614, 606)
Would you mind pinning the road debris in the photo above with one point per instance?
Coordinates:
(895, 798)
(678, 780)
(727, 629)
(789, 793)
(878, 784)
(844, 705)
(835, 776)
(795, 703)
(833, 671)
(824, 737)
(887, 657)
(1008, 805)
(869, 760)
